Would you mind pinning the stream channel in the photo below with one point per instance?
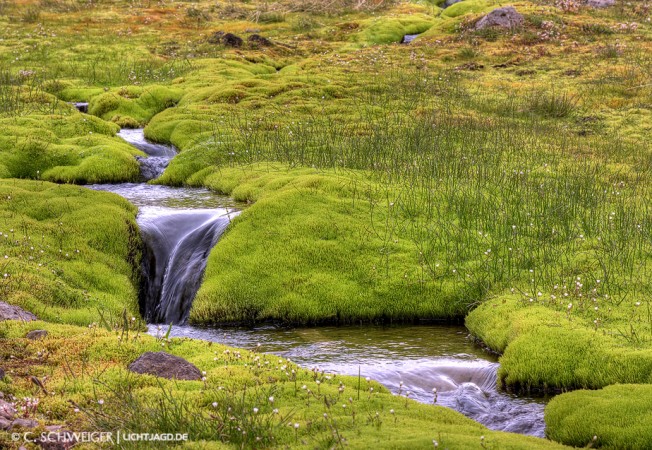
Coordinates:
(179, 226)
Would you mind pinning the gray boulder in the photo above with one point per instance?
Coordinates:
(11, 312)
(448, 3)
(35, 335)
(24, 423)
(506, 17)
(164, 365)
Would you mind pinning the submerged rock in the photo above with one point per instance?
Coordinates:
(11, 312)
(152, 167)
(506, 17)
(36, 334)
(164, 365)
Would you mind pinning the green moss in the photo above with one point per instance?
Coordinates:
(545, 347)
(467, 7)
(68, 252)
(133, 106)
(616, 417)
(388, 30)
(50, 148)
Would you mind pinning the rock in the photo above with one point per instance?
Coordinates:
(164, 365)
(2, 375)
(35, 335)
(227, 39)
(600, 3)
(231, 40)
(24, 423)
(4, 424)
(216, 38)
(10, 312)
(256, 40)
(152, 167)
(506, 17)
(7, 410)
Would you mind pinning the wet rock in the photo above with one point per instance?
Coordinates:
(506, 17)
(164, 365)
(152, 167)
(256, 40)
(24, 423)
(10, 312)
(7, 410)
(600, 3)
(231, 40)
(35, 335)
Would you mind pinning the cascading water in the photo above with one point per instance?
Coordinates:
(176, 249)
(179, 227)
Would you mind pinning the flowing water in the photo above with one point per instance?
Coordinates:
(408, 38)
(179, 226)
(412, 359)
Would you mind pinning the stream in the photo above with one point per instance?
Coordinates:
(179, 227)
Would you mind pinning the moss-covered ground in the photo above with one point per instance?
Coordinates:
(501, 176)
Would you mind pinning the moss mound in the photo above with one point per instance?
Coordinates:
(68, 254)
(616, 417)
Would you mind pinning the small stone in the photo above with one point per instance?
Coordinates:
(256, 40)
(24, 423)
(4, 423)
(164, 365)
(7, 410)
(11, 312)
(35, 335)
(216, 38)
(506, 17)
(231, 40)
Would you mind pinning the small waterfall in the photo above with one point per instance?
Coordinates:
(176, 249)
(178, 231)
